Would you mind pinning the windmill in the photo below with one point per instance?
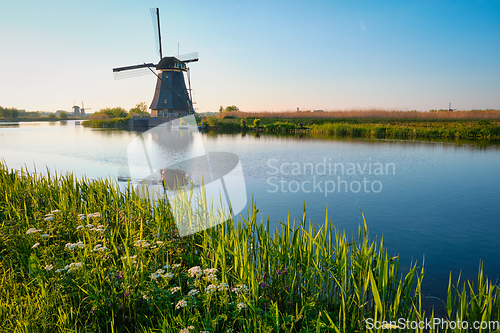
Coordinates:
(171, 98)
(82, 109)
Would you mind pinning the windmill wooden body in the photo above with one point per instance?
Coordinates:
(171, 98)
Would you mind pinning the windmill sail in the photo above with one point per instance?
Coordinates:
(132, 71)
(155, 16)
(189, 57)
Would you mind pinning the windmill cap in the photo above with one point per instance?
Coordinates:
(168, 62)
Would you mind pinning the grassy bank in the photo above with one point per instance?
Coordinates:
(80, 256)
(371, 128)
(106, 123)
(374, 114)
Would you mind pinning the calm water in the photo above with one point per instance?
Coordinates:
(438, 199)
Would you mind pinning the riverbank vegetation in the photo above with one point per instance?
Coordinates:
(14, 114)
(81, 256)
(116, 117)
(474, 125)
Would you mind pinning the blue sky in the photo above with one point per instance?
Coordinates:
(257, 55)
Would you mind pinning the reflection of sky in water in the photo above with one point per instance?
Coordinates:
(442, 201)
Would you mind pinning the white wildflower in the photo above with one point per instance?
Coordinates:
(212, 278)
(168, 275)
(100, 226)
(159, 243)
(48, 267)
(240, 288)
(210, 271)
(241, 306)
(153, 247)
(193, 292)
(49, 218)
(60, 270)
(210, 289)
(175, 289)
(99, 247)
(35, 246)
(195, 271)
(45, 235)
(89, 226)
(55, 211)
(146, 297)
(83, 217)
(96, 214)
(181, 304)
(79, 227)
(32, 231)
(132, 257)
(73, 266)
(223, 287)
(141, 243)
(176, 265)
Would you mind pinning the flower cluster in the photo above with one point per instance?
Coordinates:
(181, 304)
(159, 273)
(193, 292)
(173, 290)
(72, 246)
(132, 258)
(210, 274)
(241, 306)
(33, 230)
(240, 288)
(99, 247)
(223, 287)
(195, 271)
(71, 267)
(141, 243)
(187, 329)
(211, 288)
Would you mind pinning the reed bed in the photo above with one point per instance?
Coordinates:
(79, 255)
(369, 114)
(371, 128)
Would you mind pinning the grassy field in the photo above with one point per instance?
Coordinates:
(81, 256)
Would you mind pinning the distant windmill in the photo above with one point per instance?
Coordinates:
(171, 98)
(82, 110)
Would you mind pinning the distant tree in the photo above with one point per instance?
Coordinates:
(221, 109)
(15, 113)
(52, 116)
(63, 115)
(140, 108)
(117, 112)
(232, 108)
